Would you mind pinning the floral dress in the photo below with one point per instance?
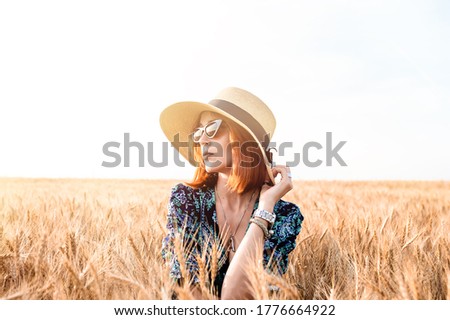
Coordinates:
(192, 215)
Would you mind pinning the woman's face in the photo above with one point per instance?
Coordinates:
(216, 156)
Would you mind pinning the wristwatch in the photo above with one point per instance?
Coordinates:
(266, 215)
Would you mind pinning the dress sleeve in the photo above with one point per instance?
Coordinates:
(286, 228)
(181, 222)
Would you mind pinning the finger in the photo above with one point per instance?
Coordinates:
(288, 172)
(283, 170)
(275, 171)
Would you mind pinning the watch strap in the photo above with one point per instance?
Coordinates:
(266, 215)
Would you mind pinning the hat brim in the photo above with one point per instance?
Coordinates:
(179, 120)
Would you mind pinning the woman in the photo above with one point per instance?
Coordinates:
(233, 200)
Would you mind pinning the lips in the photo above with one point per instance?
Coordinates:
(206, 155)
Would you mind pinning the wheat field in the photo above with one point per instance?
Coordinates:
(101, 239)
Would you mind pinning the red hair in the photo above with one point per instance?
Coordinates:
(248, 168)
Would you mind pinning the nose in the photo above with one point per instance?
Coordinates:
(203, 139)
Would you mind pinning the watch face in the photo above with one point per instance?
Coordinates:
(266, 215)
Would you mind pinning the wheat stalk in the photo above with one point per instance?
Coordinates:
(388, 240)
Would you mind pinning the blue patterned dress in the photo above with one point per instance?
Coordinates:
(192, 214)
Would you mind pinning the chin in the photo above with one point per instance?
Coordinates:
(212, 169)
(221, 167)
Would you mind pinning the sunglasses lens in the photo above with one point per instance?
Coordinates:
(197, 135)
(211, 129)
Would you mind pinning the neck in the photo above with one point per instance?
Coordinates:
(230, 197)
(222, 187)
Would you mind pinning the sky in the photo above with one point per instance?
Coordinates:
(77, 75)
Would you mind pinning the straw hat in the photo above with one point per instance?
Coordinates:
(179, 120)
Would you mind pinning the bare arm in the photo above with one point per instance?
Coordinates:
(236, 284)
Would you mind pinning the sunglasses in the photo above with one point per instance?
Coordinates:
(210, 130)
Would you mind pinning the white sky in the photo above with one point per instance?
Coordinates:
(76, 75)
